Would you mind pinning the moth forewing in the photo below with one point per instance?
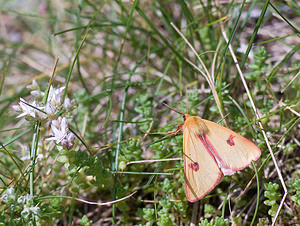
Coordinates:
(201, 170)
(232, 150)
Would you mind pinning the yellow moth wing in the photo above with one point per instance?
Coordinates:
(201, 170)
(232, 150)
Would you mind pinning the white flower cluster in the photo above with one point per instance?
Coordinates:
(28, 208)
(24, 203)
(36, 110)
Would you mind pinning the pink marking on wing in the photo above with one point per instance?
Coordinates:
(230, 140)
(203, 139)
(215, 153)
(194, 166)
(220, 176)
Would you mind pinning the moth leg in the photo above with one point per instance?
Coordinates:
(175, 132)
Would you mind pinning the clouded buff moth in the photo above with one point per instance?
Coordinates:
(210, 152)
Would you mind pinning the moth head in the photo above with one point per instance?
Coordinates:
(195, 125)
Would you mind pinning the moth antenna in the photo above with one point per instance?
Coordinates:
(179, 112)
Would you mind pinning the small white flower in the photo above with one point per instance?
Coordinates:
(35, 209)
(9, 195)
(68, 140)
(25, 212)
(58, 135)
(55, 96)
(57, 122)
(49, 109)
(26, 199)
(67, 103)
(29, 109)
(17, 107)
(37, 93)
(34, 85)
(35, 89)
(21, 199)
(59, 129)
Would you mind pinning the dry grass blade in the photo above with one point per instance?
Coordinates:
(204, 72)
(257, 115)
(106, 203)
(290, 82)
(153, 160)
(289, 108)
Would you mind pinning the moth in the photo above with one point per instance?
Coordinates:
(211, 151)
